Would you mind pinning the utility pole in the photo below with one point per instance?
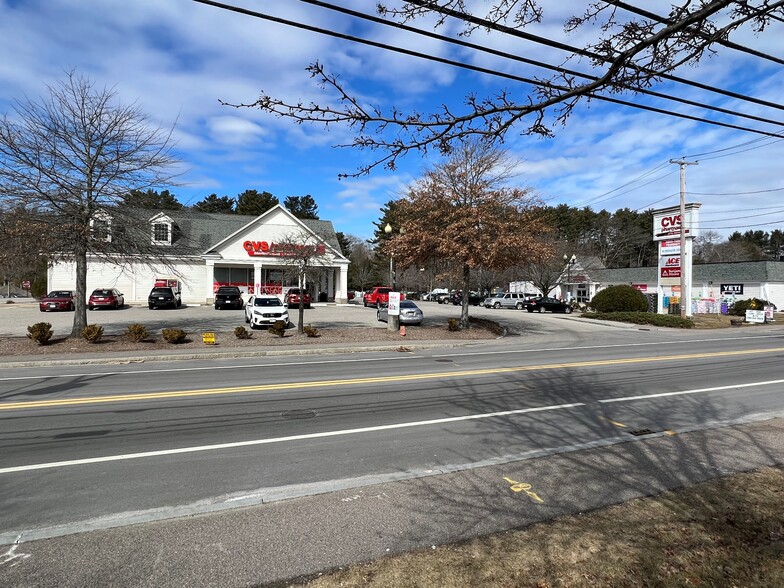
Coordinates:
(685, 280)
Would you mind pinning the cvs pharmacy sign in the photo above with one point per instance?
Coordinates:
(667, 222)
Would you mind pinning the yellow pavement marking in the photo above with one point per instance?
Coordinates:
(523, 487)
(372, 380)
(617, 424)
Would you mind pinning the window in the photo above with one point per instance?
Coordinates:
(160, 233)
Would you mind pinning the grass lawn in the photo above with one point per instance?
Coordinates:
(726, 532)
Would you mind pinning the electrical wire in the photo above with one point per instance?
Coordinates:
(477, 68)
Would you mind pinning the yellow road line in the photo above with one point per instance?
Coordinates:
(373, 380)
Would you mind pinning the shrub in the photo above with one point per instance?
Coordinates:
(741, 306)
(278, 328)
(92, 333)
(310, 331)
(621, 298)
(136, 333)
(174, 336)
(40, 333)
(242, 333)
(453, 324)
(643, 318)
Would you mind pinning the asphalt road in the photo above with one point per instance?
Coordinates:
(295, 464)
(84, 446)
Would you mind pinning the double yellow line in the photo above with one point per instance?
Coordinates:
(65, 402)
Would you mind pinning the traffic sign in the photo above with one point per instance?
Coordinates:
(26, 284)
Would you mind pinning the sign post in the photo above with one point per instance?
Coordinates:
(675, 229)
(393, 311)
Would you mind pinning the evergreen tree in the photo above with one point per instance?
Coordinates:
(213, 203)
(255, 203)
(302, 206)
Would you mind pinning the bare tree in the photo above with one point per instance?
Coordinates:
(306, 255)
(634, 50)
(462, 211)
(69, 160)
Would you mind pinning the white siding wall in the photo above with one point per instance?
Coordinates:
(135, 280)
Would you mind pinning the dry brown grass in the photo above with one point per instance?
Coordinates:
(727, 532)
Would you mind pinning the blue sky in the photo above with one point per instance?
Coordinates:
(178, 58)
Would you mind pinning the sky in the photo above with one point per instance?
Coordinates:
(178, 59)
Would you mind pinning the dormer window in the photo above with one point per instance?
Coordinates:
(161, 227)
(160, 232)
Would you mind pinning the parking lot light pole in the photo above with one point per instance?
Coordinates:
(393, 321)
(570, 261)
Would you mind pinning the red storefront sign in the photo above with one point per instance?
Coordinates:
(264, 248)
(670, 272)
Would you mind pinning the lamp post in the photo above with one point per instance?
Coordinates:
(393, 321)
(570, 261)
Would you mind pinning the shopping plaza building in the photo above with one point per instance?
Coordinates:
(203, 251)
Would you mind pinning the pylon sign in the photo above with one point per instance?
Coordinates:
(675, 265)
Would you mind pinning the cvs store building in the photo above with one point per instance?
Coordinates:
(208, 250)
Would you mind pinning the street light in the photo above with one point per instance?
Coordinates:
(569, 261)
(392, 276)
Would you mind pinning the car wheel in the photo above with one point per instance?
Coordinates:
(365, 303)
(151, 306)
(530, 309)
(519, 306)
(90, 307)
(179, 303)
(253, 327)
(541, 310)
(568, 310)
(216, 307)
(41, 309)
(497, 305)
(378, 316)
(247, 319)
(116, 305)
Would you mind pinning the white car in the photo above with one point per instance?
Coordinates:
(265, 310)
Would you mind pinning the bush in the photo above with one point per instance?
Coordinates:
(278, 328)
(136, 333)
(174, 336)
(620, 299)
(453, 324)
(92, 333)
(242, 333)
(40, 333)
(741, 306)
(643, 318)
(310, 331)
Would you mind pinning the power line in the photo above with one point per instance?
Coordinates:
(481, 22)
(528, 61)
(477, 68)
(669, 21)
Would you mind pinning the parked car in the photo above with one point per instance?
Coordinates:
(264, 310)
(163, 296)
(542, 304)
(57, 300)
(410, 313)
(474, 299)
(378, 296)
(228, 297)
(292, 298)
(106, 298)
(443, 297)
(506, 300)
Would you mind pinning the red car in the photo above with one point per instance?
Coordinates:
(292, 298)
(57, 300)
(106, 298)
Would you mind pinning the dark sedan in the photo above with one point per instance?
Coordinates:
(57, 300)
(543, 304)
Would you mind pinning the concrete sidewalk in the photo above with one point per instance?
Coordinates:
(344, 522)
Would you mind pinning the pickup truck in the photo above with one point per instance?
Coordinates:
(378, 296)
(228, 297)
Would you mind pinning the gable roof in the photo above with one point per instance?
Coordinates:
(738, 271)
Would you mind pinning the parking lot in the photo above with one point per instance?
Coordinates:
(16, 317)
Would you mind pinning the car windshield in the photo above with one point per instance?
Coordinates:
(161, 291)
(294, 291)
(407, 304)
(102, 293)
(59, 294)
(228, 290)
(267, 302)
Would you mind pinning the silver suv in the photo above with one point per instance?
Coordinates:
(506, 300)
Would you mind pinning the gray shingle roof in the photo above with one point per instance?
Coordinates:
(739, 271)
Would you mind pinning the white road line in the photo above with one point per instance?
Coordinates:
(696, 391)
(377, 359)
(74, 462)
